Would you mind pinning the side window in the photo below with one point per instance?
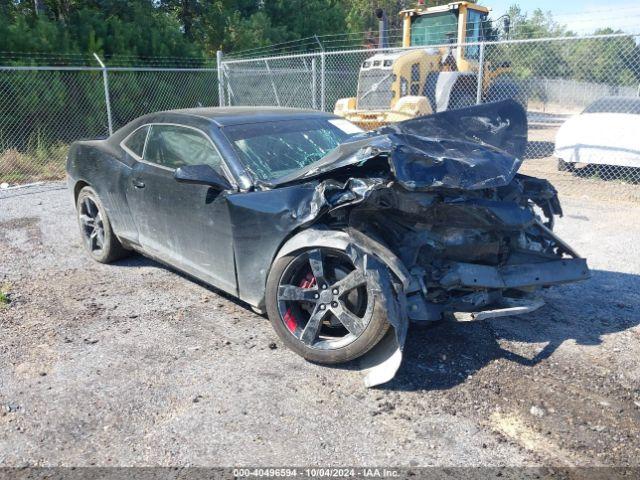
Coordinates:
(173, 146)
(474, 30)
(135, 142)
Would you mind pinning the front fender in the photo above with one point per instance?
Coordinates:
(316, 237)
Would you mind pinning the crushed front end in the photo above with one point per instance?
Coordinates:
(437, 203)
(472, 254)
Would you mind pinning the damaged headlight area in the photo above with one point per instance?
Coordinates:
(466, 251)
(468, 255)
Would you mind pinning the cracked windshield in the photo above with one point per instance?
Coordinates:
(273, 150)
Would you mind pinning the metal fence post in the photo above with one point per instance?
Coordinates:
(220, 78)
(322, 82)
(105, 80)
(314, 94)
(480, 75)
(322, 85)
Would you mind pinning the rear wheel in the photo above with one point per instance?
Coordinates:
(321, 307)
(97, 235)
(504, 89)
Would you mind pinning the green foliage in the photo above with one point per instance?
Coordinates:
(614, 61)
(42, 112)
(40, 159)
(360, 15)
(169, 28)
(533, 59)
(617, 60)
(131, 29)
(4, 299)
(539, 24)
(116, 27)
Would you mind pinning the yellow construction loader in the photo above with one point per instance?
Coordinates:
(395, 85)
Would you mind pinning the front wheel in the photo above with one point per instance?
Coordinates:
(321, 307)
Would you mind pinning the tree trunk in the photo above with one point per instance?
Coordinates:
(38, 7)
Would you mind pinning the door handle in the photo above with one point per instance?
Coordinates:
(137, 183)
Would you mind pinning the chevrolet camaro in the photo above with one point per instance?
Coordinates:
(341, 236)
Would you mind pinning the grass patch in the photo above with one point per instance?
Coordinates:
(4, 297)
(39, 160)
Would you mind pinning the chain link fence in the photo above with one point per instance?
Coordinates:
(135, 92)
(554, 79)
(42, 110)
(45, 108)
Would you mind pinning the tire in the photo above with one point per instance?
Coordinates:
(322, 348)
(506, 89)
(461, 100)
(565, 166)
(97, 235)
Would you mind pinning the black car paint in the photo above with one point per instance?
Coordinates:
(230, 238)
(195, 228)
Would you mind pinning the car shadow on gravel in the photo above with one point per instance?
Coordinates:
(441, 355)
(136, 260)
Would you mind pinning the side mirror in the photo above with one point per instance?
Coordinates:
(202, 175)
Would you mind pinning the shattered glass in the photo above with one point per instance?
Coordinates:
(275, 149)
(474, 148)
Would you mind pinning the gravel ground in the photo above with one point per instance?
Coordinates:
(134, 364)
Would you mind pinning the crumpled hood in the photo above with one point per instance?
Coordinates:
(471, 148)
(420, 163)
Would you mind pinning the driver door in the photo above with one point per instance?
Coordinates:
(185, 225)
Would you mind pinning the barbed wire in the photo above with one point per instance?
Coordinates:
(365, 38)
(31, 58)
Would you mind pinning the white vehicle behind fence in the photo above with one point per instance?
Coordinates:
(607, 132)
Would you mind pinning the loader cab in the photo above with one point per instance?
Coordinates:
(455, 23)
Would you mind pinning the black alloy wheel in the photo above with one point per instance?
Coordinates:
(323, 308)
(97, 235)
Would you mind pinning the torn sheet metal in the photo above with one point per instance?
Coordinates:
(380, 364)
(473, 148)
(502, 125)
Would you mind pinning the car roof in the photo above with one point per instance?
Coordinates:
(225, 116)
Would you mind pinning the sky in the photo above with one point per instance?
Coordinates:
(580, 16)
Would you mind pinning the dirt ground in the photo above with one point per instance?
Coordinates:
(134, 364)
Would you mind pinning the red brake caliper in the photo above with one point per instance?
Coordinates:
(309, 281)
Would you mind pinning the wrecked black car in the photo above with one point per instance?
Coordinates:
(343, 237)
